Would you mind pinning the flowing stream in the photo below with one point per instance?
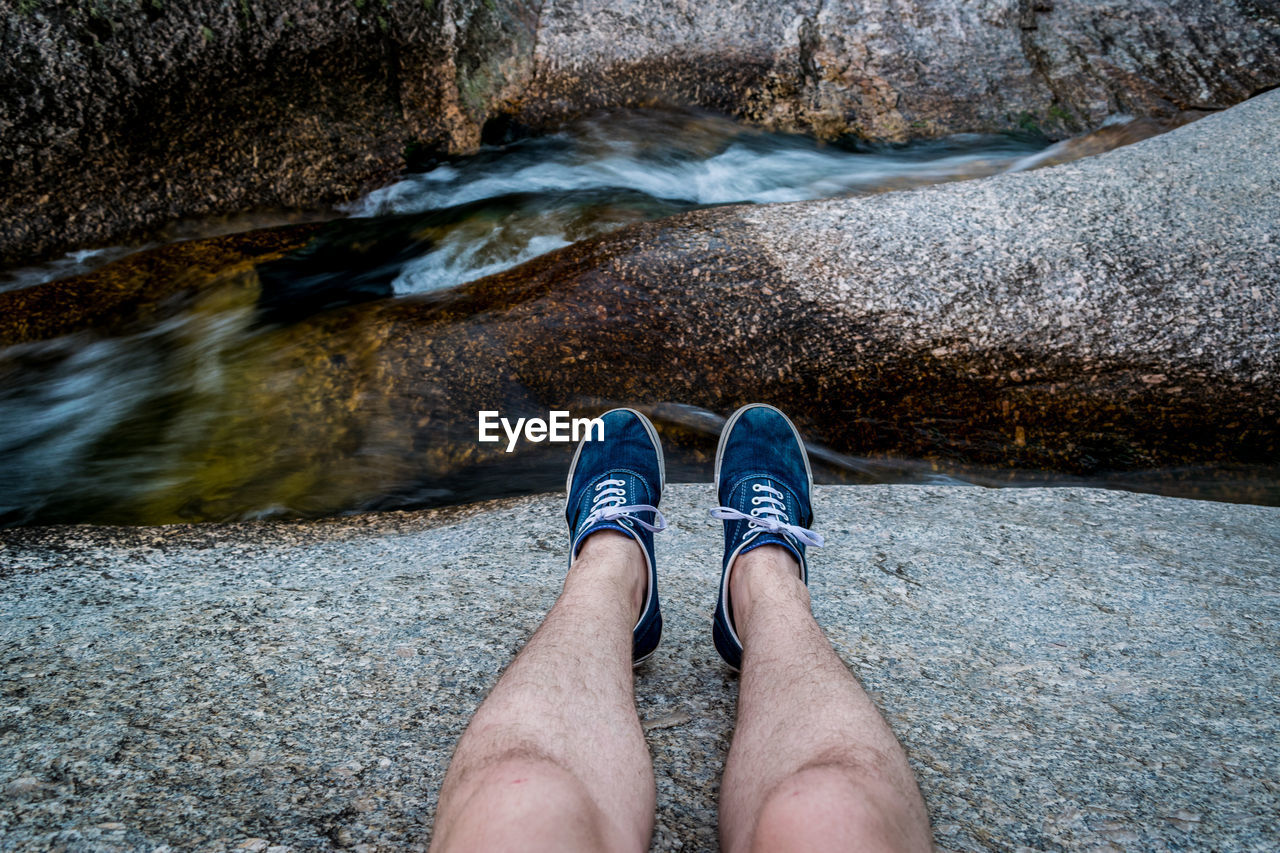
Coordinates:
(112, 426)
(541, 194)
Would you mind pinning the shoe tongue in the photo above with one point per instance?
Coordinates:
(630, 483)
(613, 475)
(773, 484)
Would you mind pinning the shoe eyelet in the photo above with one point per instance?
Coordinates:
(755, 487)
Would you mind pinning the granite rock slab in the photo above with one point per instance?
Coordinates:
(1068, 669)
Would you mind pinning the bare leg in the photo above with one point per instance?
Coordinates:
(555, 758)
(813, 766)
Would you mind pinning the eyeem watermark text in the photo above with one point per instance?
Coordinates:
(557, 427)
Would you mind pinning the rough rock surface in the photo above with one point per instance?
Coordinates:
(907, 68)
(118, 117)
(1067, 669)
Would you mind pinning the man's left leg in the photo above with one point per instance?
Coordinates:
(555, 758)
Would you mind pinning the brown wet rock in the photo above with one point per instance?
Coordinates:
(142, 289)
(120, 118)
(1107, 138)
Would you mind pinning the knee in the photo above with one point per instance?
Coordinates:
(829, 807)
(518, 801)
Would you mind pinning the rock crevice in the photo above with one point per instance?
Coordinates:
(1120, 314)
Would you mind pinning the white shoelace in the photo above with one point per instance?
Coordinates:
(610, 504)
(768, 513)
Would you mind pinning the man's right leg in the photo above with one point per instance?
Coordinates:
(813, 765)
(555, 758)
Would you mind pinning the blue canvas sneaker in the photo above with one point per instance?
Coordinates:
(615, 484)
(764, 485)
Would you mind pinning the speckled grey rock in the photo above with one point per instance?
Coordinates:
(908, 67)
(1165, 252)
(1067, 669)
